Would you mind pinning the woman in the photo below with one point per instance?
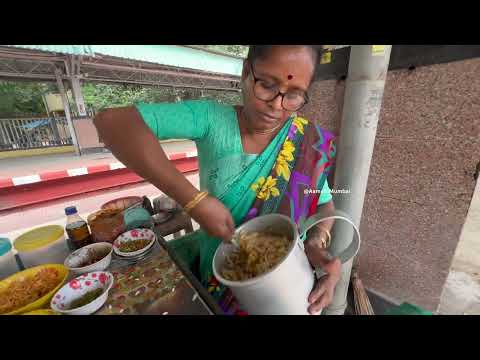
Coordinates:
(254, 159)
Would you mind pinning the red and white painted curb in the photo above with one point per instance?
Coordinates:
(59, 174)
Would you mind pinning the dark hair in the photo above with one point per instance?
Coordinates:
(260, 51)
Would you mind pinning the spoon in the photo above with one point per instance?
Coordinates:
(235, 240)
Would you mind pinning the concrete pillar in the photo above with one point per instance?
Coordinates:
(66, 107)
(74, 75)
(367, 73)
(77, 95)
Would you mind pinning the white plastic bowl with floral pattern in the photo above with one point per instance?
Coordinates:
(74, 261)
(78, 287)
(133, 235)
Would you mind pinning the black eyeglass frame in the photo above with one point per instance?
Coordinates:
(255, 80)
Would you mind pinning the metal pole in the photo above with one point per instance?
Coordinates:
(154, 83)
(76, 87)
(3, 137)
(78, 96)
(61, 88)
(177, 73)
(52, 121)
(367, 73)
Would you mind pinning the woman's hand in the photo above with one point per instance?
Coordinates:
(214, 218)
(322, 294)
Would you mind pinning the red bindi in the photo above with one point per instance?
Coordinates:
(290, 77)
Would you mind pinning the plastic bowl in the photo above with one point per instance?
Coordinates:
(44, 300)
(132, 235)
(42, 245)
(123, 203)
(75, 259)
(78, 287)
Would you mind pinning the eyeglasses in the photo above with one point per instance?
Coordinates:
(291, 100)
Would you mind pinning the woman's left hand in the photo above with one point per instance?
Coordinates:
(322, 294)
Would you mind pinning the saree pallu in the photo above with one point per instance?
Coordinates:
(298, 159)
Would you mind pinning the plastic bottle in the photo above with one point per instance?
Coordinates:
(77, 229)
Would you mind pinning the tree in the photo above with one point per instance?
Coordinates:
(21, 97)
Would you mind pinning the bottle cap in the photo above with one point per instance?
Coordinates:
(70, 210)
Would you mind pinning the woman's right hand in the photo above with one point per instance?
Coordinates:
(214, 218)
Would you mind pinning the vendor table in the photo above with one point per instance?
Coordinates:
(158, 284)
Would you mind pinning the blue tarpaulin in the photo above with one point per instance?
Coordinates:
(35, 124)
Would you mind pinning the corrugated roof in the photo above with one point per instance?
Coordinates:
(170, 55)
(62, 49)
(178, 56)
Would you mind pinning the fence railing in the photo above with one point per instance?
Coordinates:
(30, 133)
